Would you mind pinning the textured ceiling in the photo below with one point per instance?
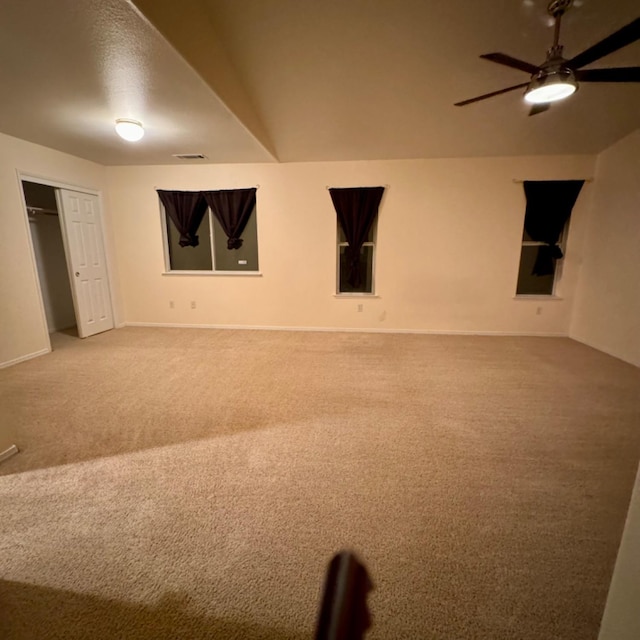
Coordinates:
(69, 68)
(301, 81)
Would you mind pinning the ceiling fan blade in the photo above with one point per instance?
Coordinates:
(490, 95)
(539, 108)
(508, 61)
(620, 74)
(615, 41)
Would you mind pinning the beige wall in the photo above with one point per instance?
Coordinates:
(621, 620)
(22, 330)
(606, 314)
(448, 246)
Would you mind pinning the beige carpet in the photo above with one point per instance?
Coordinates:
(194, 484)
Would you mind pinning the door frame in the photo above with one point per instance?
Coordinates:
(29, 176)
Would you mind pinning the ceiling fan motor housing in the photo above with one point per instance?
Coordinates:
(555, 64)
(553, 82)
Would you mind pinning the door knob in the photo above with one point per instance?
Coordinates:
(77, 274)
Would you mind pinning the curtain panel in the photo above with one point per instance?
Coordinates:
(232, 208)
(186, 209)
(549, 205)
(356, 208)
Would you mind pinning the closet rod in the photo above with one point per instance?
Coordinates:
(49, 212)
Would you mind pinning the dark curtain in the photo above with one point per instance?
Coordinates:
(186, 209)
(549, 205)
(356, 208)
(233, 209)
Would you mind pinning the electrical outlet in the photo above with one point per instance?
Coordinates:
(539, 311)
(171, 304)
(360, 307)
(193, 304)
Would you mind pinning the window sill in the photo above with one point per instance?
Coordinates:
(524, 296)
(355, 295)
(213, 273)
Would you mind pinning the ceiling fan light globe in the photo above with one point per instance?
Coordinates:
(551, 87)
(130, 130)
(549, 93)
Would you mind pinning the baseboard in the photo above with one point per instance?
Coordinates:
(7, 453)
(29, 356)
(444, 332)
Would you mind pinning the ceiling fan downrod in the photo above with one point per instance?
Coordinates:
(556, 9)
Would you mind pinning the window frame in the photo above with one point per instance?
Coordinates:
(369, 243)
(168, 271)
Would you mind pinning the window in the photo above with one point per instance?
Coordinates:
(366, 263)
(357, 213)
(546, 221)
(531, 283)
(211, 252)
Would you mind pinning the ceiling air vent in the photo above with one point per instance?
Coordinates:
(190, 156)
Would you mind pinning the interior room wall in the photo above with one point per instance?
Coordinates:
(605, 316)
(620, 620)
(48, 247)
(607, 307)
(23, 330)
(449, 236)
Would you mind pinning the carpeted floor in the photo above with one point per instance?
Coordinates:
(194, 484)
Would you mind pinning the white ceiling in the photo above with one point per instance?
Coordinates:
(69, 68)
(298, 80)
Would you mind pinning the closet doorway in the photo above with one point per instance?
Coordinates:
(68, 247)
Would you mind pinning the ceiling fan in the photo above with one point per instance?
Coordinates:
(557, 77)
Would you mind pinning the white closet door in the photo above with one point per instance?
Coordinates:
(86, 258)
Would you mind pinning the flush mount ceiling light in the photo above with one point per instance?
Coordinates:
(130, 130)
